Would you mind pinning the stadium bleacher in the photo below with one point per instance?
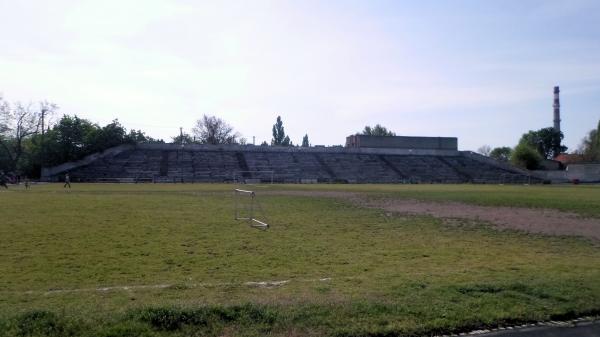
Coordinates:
(180, 164)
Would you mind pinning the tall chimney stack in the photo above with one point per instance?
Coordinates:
(556, 106)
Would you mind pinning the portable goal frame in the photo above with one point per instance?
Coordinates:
(253, 208)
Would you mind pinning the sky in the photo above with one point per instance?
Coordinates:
(482, 71)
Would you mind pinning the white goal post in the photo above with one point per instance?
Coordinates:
(247, 208)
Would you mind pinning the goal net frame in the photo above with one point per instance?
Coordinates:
(253, 209)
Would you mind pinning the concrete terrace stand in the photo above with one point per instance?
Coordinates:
(223, 163)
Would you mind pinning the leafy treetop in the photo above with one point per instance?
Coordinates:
(377, 130)
(305, 142)
(279, 136)
(546, 141)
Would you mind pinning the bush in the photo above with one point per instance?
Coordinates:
(170, 319)
(525, 156)
(501, 153)
(126, 329)
(40, 323)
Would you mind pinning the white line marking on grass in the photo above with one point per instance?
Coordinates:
(265, 284)
(257, 284)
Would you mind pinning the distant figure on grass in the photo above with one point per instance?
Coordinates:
(26, 183)
(3, 180)
(67, 181)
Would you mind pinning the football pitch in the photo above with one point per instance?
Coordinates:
(337, 260)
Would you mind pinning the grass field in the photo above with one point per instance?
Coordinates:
(169, 260)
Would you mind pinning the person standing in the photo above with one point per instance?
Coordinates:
(67, 181)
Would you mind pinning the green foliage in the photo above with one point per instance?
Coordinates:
(183, 139)
(138, 136)
(73, 138)
(279, 136)
(526, 157)
(170, 319)
(125, 328)
(546, 141)
(40, 323)
(102, 138)
(6, 158)
(501, 153)
(305, 142)
(590, 145)
(70, 139)
(377, 130)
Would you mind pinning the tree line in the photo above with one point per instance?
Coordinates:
(546, 143)
(213, 130)
(31, 136)
(30, 139)
(532, 148)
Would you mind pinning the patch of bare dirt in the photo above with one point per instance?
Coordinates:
(544, 221)
(532, 220)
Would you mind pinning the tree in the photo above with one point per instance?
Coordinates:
(18, 122)
(214, 130)
(377, 130)
(590, 145)
(485, 150)
(5, 158)
(27, 142)
(525, 156)
(71, 139)
(101, 138)
(546, 141)
(184, 138)
(305, 142)
(138, 136)
(501, 153)
(279, 136)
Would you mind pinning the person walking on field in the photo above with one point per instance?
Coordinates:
(67, 181)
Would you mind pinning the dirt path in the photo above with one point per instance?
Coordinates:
(533, 220)
(544, 221)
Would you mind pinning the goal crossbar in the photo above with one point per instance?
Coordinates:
(244, 191)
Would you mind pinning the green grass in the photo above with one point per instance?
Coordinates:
(387, 275)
